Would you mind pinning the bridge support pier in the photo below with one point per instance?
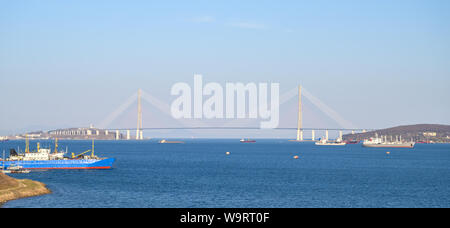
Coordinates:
(313, 135)
(326, 135)
(341, 135)
(128, 134)
(117, 135)
(141, 135)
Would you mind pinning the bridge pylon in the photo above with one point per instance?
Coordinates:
(139, 134)
(300, 116)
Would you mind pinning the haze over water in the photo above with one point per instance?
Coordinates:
(200, 174)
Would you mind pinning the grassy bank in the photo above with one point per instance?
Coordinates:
(12, 189)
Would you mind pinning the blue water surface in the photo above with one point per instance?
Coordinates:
(199, 173)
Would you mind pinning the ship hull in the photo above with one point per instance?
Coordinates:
(403, 145)
(63, 164)
(331, 144)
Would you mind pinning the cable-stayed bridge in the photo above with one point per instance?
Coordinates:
(184, 124)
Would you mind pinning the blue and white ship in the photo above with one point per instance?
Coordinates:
(44, 158)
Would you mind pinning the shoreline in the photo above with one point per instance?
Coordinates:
(13, 189)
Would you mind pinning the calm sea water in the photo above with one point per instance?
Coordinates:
(200, 174)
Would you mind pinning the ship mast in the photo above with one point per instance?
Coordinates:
(27, 144)
(92, 155)
(56, 145)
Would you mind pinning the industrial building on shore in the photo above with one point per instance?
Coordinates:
(84, 133)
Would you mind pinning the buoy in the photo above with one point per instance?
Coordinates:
(296, 157)
(228, 153)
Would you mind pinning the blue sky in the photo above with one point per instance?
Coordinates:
(70, 63)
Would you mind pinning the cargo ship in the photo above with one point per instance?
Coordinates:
(44, 158)
(324, 142)
(380, 143)
(247, 141)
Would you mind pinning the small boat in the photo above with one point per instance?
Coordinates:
(19, 171)
(247, 141)
(383, 143)
(16, 169)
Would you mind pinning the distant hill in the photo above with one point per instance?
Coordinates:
(420, 132)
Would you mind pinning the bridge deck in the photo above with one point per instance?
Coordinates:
(239, 128)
